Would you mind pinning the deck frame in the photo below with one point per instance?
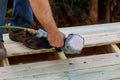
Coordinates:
(93, 67)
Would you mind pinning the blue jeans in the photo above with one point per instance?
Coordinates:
(22, 14)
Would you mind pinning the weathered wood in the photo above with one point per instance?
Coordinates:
(81, 68)
(94, 35)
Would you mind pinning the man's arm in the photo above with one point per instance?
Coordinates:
(42, 11)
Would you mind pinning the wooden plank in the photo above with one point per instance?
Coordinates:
(56, 56)
(17, 49)
(61, 55)
(91, 29)
(4, 62)
(102, 34)
(81, 65)
(115, 48)
(104, 38)
(100, 73)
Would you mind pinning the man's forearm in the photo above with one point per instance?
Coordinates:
(42, 10)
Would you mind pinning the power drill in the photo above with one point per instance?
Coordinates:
(73, 43)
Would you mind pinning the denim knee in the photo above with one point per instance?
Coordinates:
(22, 14)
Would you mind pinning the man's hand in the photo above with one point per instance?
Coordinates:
(56, 39)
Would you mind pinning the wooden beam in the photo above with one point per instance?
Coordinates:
(56, 56)
(61, 55)
(115, 48)
(91, 65)
(94, 35)
(4, 62)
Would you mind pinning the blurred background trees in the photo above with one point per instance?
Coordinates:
(81, 12)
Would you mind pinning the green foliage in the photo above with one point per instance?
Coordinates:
(69, 12)
(115, 10)
(75, 12)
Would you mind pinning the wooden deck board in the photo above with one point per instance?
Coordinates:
(101, 73)
(63, 66)
(94, 35)
(91, 29)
